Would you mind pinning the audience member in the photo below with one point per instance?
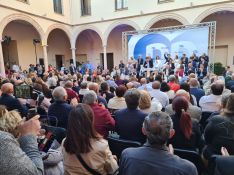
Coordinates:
(212, 102)
(146, 105)
(144, 85)
(187, 131)
(60, 108)
(195, 90)
(83, 143)
(95, 87)
(219, 126)
(118, 102)
(154, 157)
(105, 91)
(71, 94)
(7, 99)
(19, 148)
(194, 111)
(103, 122)
(129, 121)
(165, 88)
(172, 83)
(162, 97)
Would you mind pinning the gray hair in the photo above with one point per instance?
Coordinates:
(90, 98)
(59, 93)
(172, 78)
(157, 126)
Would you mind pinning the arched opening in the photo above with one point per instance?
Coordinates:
(166, 23)
(114, 45)
(224, 50)
(59, 48)
(19, 48)
(88, 47)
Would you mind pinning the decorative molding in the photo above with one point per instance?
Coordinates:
(117, 23)
(160, 17)
(13, 17)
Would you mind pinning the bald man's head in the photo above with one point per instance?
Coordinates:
(130, 85)
(7, 88)
(94, 87)
(143, 81)
(156, 85)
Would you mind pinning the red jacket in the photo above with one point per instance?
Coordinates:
(72, 94)
(174, 86)
(103, 122)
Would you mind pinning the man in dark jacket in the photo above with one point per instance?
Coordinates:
(7, 99)
(154, 157)
(129, 120)
(60, 109)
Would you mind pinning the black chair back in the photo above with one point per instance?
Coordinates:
(226, 142)
(192, 156)
(118, 145)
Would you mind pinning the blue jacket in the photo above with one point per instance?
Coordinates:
(13, 103)
(198, 93)
(129, 124)
(61, 110)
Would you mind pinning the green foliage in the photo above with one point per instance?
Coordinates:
(218, 68)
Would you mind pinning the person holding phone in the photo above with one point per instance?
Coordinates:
(19, 148)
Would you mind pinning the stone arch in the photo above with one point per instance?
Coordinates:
(58, 26)
(81, 29)
(174, 16)
(15, 17)
(117, 23)
(218, 8)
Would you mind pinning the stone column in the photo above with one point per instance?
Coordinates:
(104, 57)
(74, 56)
(2, 67)
(45, 57)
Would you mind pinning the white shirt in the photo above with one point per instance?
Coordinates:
(160, 96)
(210, 103)
(117, 103)
(155, 106)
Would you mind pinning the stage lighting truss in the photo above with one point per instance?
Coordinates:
(212, 37)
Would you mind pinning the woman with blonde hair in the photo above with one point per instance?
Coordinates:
(146, 105)
(19, 147)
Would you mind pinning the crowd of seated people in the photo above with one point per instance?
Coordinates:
(160, 113)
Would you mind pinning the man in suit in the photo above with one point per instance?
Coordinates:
(148, 63)
(154, 157)
(129, 120)
(121, 67)
(7, 99)
(72, 69)
(140, 62)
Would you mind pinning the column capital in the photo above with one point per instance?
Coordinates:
(104, 46)
(73, 48)
(44, 45)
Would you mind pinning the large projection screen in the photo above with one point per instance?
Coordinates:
(198, 39)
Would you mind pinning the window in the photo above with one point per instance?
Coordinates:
(25, 1)
(164, 1)
(85, 7)
(58, 6)
(121, 4)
